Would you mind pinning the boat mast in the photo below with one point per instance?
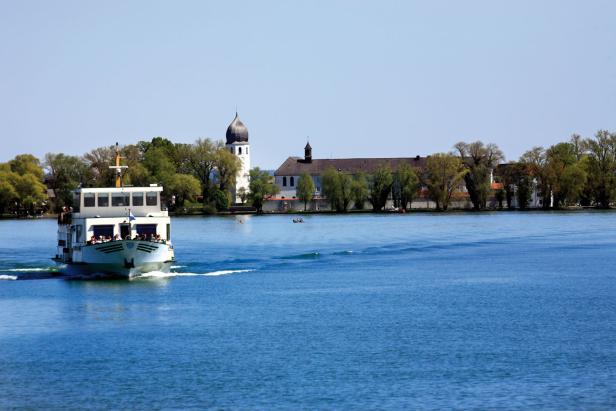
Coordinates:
(118, 168)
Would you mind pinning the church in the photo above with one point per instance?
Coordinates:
(237, 143)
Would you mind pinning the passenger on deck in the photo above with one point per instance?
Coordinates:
(92, 240)
(116, 237)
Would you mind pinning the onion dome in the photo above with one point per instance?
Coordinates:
(237, 131)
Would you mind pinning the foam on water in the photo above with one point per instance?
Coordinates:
(8, 277)
(159, 274)
(30, 269)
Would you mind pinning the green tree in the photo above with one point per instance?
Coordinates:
(199, 159)
(8, 194)
(479, 160)
(380, 185)
(305, 189)
(443, 175)
(536, 165)
(243, 194)
(566, 176)
(359, 190)
(26, 164)
(336, 186)
(184, 187)
(602, 167)
(261, 186)
(99, 160)
(64, 174)
(227, 167)
(407, 183)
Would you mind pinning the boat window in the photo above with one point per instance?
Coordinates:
(146, 229)
(88, 199)
(151, 198)
(103, 230)
(137, 199)
(78, 233)
(120, 199)
(76, 202)
(168, 232)
(103, 199)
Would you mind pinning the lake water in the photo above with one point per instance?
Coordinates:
(420, 311)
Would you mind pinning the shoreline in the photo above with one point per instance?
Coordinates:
(351, 212)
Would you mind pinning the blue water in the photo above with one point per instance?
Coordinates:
(420, 311)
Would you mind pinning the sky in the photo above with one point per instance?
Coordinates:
(356, 78)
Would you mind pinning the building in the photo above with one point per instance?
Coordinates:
(237, 143)
(287, 176)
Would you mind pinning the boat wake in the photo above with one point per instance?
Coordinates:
(159, 274)
(8, 277)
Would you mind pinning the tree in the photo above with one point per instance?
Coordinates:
(8, 194)
(359, 190)
(305, 189)
(336, 186)
(64, 174)
(479, 160)
(330, 187)
(183, 187)
(380, 187)
(261, 186)
(199, 159)
(407, 184)
(602, 167)
(243, 194)
(566, 176)
(443, 175)
(536, 162)
(227, 166)
(99, 160)
(26, 164)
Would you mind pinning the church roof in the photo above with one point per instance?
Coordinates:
(294, 166)
(237, 131)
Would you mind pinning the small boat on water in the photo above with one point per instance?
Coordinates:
(117, 232)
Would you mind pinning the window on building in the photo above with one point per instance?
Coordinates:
(246, 150)
(120, 199)
(151, 198)
(168, 232)
(292, 182)
(239, 150)
(88, 199)
(137, 199)
(103, 199)
(284, 181)
(102, 230)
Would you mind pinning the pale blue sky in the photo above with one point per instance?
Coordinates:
(381, 78)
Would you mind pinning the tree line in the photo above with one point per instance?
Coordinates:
(204, 170)
(578, 172)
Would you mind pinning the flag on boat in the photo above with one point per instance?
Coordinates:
(131, 217)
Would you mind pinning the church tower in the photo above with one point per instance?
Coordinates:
(237, 143)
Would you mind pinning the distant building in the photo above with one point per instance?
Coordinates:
(287, 175)
(237, 143)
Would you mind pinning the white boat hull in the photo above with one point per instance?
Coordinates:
(126, 258)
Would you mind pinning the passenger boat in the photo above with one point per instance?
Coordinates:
(118, 232)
